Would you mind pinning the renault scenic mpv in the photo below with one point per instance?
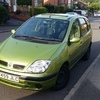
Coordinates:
(40, 53)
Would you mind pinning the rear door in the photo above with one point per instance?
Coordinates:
(85, 34)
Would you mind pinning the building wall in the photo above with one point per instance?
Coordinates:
(63, 2)
(60, 2)
(53, 2)
(14, 5)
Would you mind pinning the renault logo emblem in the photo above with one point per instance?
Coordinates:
(10, 65)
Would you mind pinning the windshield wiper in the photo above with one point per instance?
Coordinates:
(26, 37)
(32, 38)
(52, 39)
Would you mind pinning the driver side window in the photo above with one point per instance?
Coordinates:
(75, 30)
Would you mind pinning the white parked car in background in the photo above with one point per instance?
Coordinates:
(96, 13)
(82, 12)
(72, 13)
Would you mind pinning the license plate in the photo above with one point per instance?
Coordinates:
(9, 77)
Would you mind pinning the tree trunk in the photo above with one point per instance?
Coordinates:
(32, 7)
(11, 3)
(42, 2)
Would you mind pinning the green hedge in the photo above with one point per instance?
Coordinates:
(50, 8)
(54, 9)
(39, 10)
(24, 2)
(69, 9)
(60, 9)
(3, 14)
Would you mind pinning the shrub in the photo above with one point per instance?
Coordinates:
(18, 12)
(49, 7)
(39, 10)
(60, 9)
(67, 9)
(3, 14)
(24, 2)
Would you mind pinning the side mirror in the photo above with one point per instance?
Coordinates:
(13, 31)
(75, 40)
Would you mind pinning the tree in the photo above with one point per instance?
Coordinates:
(11, 3)
(94, 7)
(24, 2)
(91, 1)
(3, 14)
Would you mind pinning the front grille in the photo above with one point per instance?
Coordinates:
(3, 63)
(11, 65)
(19, 67)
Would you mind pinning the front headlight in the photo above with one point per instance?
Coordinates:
(39, 66)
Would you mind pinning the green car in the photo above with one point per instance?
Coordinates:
(40, 53)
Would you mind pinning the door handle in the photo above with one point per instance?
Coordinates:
(89, 34)
(80, 42)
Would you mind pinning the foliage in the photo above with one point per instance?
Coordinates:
(67, 9)
(39, 10)
(50, 8)
(79, 6)
(93, 7)
(54, 9)
(18, 12)
(91, 1)
(60, 9)
(24, 2)
(3, 14)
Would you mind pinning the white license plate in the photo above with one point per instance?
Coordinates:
(9, 77)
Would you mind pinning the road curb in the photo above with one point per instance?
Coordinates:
(77, 85)
(4, 31)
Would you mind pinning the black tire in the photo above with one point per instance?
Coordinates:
(62, 78)
(87, 54)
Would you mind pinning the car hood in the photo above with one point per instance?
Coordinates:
(23, 52)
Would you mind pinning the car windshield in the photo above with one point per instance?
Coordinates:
(42, 29)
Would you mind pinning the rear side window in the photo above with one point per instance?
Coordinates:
(88, 24)
(84, 26)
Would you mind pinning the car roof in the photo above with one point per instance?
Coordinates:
(56, 16)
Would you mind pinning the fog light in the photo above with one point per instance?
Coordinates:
(39, 86)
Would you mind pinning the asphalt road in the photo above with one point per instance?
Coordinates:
(9, 93)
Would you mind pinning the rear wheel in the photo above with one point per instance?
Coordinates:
(87, 54)
(62, 78)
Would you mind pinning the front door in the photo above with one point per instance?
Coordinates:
(74, 49)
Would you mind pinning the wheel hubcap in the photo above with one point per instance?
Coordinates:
(61, 77)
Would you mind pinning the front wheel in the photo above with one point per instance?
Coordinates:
(62, 78)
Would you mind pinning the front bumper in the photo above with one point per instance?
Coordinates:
(31, 83)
